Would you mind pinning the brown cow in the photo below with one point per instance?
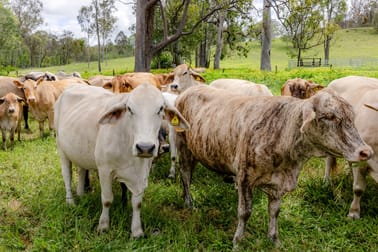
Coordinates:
(264, 141)
(300, 88)
(41, 96)
(7, 86)
(10, 117)
(127, 82)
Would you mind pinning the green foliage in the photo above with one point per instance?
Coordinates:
(162, 60)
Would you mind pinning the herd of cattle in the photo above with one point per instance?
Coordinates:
(234, 127)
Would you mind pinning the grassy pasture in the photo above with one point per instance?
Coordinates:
(34, 216)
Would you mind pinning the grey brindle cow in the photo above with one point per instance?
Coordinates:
(263, 141)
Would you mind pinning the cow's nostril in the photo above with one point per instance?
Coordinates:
(365, 155)
(145, 149)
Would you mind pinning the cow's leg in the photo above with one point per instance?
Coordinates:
(244, 206)
(274, 209)
(4, 135)
(51, 123)
(67, 176)
(136, 224)
(330, 166)
(359, 185)
(11, 137)
(25, 110)
(173, 149)
(81, 181)
(18, 129)
(106, 198)
(187, 164)
(41, 126)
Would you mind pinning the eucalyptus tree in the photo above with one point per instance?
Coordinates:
(266, 37)
(28, 13)
(146, 47)
(98, 19)
(9, 36)
(84, 19)
(300, 18)
(334, 11)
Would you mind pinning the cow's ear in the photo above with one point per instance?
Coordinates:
(19, 99)
(169, 78)
(113, 114)
(174, 117)
(18, 84)
(108, 85)
(308, 114)
(197, 76)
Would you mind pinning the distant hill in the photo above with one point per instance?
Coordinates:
(350, 47)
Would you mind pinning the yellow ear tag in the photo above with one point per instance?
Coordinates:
(175, 121)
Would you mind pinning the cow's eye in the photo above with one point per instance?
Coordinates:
(185, 73)
(130, 110)
(160, 110)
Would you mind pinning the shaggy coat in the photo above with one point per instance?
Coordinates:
(262, 141)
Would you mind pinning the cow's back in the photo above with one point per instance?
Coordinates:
(7, 86)
(77, 113)
(241, 87)
(240, 120)
(353, 88)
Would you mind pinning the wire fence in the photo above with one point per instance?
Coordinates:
(344, 62)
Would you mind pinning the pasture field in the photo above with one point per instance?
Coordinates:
(35, 217)
(350, 49)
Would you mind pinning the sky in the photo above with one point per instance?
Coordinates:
(62, 15)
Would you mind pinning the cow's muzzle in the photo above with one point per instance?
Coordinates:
(365, 154)
(145, 150)
(361, 154)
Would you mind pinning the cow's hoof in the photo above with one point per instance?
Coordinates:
(354, 215)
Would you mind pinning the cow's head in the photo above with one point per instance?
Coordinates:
(29, 88)
(140, 113)
(12, 103)
(183, 77)
(300, 88)
(328, 123)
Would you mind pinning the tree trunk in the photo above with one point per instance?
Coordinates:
(98, 38)
(219, 46)
(203, 58)
(143, 35)
(326, 50)
(266, 37)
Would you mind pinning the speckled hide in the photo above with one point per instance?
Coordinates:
(264, 141)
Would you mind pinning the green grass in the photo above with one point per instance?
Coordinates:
(35, 217)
